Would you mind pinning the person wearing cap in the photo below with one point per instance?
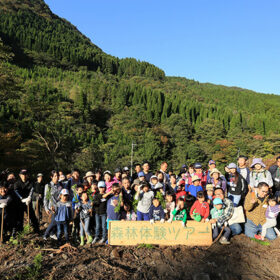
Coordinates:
(217, 179)
(23, 189)
(195, 186)
(228, 210)
(216, 212)
(38, 194)
(100, 210)
(145, 197)
(259, 174)
(256, 204)
(180, 190)
(63, 214)
(275, 173)
(242, 168)
(125, 173)
(237, 186)
(200, 173)
(146, 170)
(108, 180)
(211, 165)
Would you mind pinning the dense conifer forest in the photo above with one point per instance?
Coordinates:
(65, 103)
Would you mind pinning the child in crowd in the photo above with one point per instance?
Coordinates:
(179, 213)
(180, 191)
(195, 187)
(128, 214)
(156, 212)
(271, 214)
(153, 181)
(200, 209)
(85, 209)
(210, 193)
(145, 197)
(63, 214)
(100, 207)
(77, 193)
(169, 204)
(216, 212)
(114, 204)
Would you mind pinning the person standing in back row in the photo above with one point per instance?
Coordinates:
(24, 189)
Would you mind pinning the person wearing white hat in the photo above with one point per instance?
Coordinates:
(259, 174)
(194, 187)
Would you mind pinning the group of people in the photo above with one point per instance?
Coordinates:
(239, 199)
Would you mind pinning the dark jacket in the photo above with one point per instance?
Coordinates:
(238, 187)
(23, 189)
(38, 190)
(275, 173)
(99, 204)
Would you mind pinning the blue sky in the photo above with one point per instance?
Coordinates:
(229, 42)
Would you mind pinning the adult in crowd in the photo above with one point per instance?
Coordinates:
(146, 170)
(275, 173)
(137, 169)
(242, 168)
(24, 188)
(228, 210)
(259, 174)
(51, 198)
(38, 194)
(237, 186)
(211, 165)
(255, 206)
(217, 180)
(163, 170)
(200, 173)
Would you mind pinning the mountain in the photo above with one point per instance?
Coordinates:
(64, 103)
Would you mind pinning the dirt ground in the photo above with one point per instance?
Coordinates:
(243, 259)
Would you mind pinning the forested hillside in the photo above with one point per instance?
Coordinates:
(64, 103)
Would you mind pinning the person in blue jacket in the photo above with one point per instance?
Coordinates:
(194, 187)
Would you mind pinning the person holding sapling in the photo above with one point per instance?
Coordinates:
(179, 213)
(100, 206)
(200, 209)
(114, 204)
(84, 207)
(145, 197)
(156, 212)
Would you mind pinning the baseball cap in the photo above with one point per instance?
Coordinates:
(101, 184)
(141, 174)
(64, 192)
(212, 162)
(217, 201)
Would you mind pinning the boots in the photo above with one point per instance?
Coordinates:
(82, 241)
(89, 239)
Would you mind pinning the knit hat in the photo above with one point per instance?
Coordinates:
(215, 170)
(217, 201)
(195, 178)
(101, 184)
(257, 161)
(232, 166)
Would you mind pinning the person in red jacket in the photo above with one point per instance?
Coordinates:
(200, 209)
(180, 190)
